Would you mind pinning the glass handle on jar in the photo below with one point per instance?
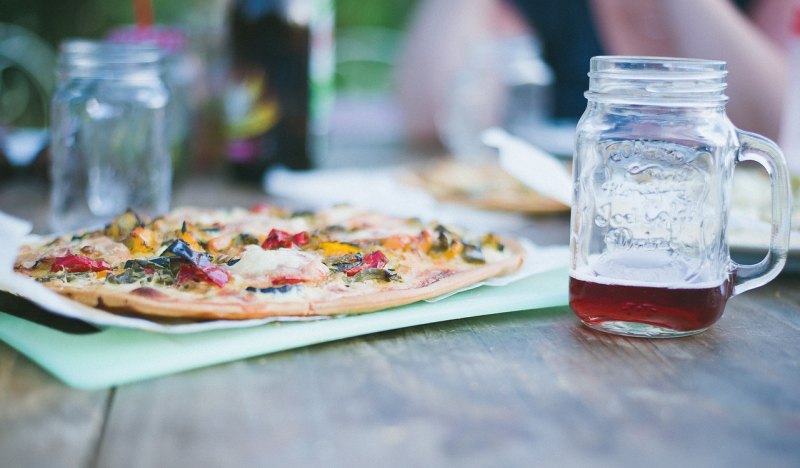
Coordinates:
(763, 151)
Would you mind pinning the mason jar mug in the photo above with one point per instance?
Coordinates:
(653, 169)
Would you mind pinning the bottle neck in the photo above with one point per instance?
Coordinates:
(657, 81)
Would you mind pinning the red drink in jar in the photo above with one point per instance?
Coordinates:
(686, 308)
(654, 160)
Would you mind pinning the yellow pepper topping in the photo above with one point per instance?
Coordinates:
(122, 225)
(425, 241)
(399, 242)
(337, 248)
(141, 241)
(455, 249)
(188, 237)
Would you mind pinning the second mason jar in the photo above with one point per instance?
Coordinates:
(110, 149)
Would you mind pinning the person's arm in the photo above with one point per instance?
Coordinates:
(712, 29)
(437, 41)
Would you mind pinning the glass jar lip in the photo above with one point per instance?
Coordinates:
(671, 81)
(647, 67)
(89, 52)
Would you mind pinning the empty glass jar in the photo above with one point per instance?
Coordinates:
(110, 149)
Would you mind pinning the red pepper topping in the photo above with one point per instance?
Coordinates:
(78, 264)
(374, 260)
(277, 239)
(284, 280)
(301, 238)
(213, 274)
(260, 208)
(188, 273)
(200, 262)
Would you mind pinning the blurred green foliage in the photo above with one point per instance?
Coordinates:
(391, 14)
(368, 38)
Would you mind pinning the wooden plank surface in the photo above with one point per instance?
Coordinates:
(520, 389)
(497, 391)
(43, 423)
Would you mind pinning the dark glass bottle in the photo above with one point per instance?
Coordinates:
(267, 100)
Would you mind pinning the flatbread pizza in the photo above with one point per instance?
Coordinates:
(481, 185)
(266, 261)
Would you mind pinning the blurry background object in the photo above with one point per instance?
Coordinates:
(359, 70)
(280, 83)
(747, 34)
(465, 69)
(790, 125)
(568, 34)
(503, 82)
(181, 72)
(26, 81)
(110, 148)
(201, 22)
(366, 124)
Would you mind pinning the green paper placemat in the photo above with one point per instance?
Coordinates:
(117, 356)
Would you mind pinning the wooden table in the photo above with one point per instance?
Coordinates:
(531, 388)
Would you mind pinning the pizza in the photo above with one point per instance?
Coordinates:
(481, 185)
(234, 264)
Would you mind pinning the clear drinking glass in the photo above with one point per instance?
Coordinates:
(110, 148)
(654, 160)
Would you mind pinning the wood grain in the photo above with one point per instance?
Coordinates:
(495, 391)
(42, 422)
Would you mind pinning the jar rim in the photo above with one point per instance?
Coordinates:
(92, 52)
(668, 81)
(647, 67)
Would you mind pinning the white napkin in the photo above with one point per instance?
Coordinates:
(530, 165)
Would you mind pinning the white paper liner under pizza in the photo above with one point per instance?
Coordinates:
(14, 233)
